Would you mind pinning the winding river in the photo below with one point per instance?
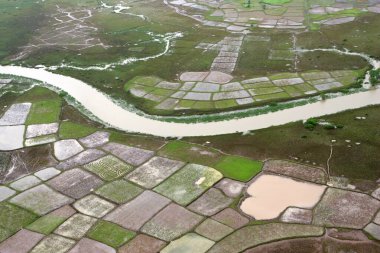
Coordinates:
(110, 112)
(104, 108)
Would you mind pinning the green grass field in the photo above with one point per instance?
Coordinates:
(239, 168)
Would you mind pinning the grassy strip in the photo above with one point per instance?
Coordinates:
(70, 130)
(44, 112)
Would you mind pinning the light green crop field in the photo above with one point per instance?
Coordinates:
(239, 168)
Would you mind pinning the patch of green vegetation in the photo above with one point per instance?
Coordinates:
(311, 123)
(108, 168)
(70, 130)
(18, 20)
(110, 234)
(358, 36)
(203, 105)
(266, 90)
(239, 168)
(275, 2)
(13, 218)
(41, 140)
(279, 95)
(5, 158)
(4, 234)
(37, 94)
(188, 152)
(276, 11)
(44, 112)
(142, 80)
(304, 87)
(260, 50)
(225, 104)
(374, 76)
(186, 103)
(292, 91)
(258, 85)
(208, 15)
(119, 191)
(314, 26)
(46, 224)
(283, 76)
(287, 55)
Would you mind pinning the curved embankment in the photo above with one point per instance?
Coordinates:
(102, 106)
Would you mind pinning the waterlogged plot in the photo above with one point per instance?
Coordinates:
(66, 148)
(40, 140)
(130, 155)
(82, 158)
(25, 183)
(93, 206)
(15, 115)
(271, 195)
(231, 218)
(95, 140)
(134, 214)
(154, 171)
(297, 215)
(75, 183)
(345, 209)
(47, 173)
(210, 203)
(171, 222)
(41, 199)
(58, 243)
(6, 192)
(189, 243)
(88, 245)
(11, 137)
(41, 129)
(21, 242)
(144, 243)
(189, 183)
(213, 230)
(231, 188)
(108, 168)
(76, 226)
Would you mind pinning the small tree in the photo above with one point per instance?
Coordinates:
(374, 76)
